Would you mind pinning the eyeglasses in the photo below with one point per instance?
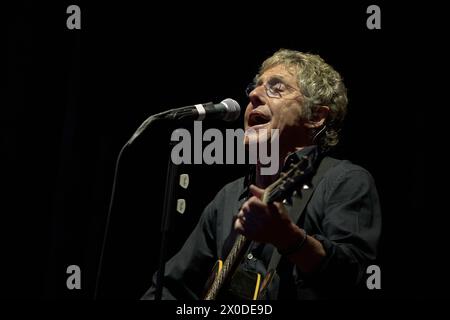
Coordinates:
(274, 87)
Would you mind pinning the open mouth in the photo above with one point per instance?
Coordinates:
(257, 118)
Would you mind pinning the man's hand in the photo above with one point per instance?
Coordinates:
(272, 224)
(264, 223)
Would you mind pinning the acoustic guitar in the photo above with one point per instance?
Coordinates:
(226, 272)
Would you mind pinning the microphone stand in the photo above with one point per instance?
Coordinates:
(142, 127)
(172, 171)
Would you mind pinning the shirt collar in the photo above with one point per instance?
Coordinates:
(292, 158)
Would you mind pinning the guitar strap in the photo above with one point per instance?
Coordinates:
(300, 202)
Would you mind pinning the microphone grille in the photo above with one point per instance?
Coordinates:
(233, 109)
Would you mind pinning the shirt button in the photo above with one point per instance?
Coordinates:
(249, 256)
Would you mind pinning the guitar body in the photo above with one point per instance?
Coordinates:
(243, 285)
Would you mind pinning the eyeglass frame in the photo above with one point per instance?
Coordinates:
(270, 92)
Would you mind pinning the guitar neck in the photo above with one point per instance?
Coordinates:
(233, 260)
(229, 266)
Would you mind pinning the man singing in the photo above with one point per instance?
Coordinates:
(325, 251)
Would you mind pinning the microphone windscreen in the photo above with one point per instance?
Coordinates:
(233, 109)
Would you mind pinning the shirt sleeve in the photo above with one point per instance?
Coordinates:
(351, 228)
(185, 275)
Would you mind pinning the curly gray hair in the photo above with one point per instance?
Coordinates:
(319, 84)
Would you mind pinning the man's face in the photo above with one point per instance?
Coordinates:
(283, 111)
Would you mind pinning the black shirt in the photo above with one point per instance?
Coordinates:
(343, 214)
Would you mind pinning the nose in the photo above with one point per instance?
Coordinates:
(256, 96)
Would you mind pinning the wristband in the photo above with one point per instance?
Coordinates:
(296, 247)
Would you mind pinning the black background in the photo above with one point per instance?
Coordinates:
(74, 97)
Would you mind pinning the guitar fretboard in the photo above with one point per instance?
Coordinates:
(237, 251)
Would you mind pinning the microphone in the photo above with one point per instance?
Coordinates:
(227, 110)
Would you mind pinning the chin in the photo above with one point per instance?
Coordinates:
(257, 134)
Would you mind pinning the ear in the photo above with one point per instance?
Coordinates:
(318, 118)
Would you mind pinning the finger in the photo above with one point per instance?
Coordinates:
(241, 216)
(255, 204)
(278, 207)
(279, 204)
(257, 192)
(238, 227)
